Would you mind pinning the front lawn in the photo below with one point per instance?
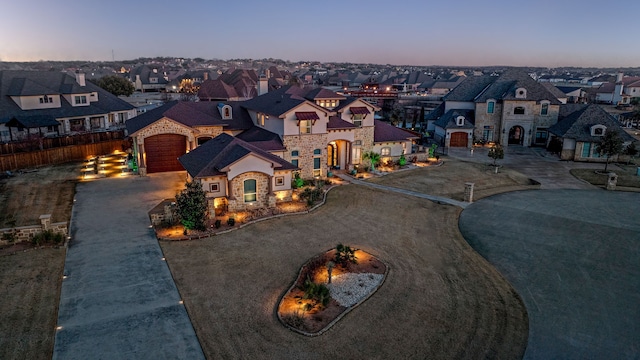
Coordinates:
(626, 175)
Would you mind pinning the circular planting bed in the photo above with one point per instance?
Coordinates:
(327, 287)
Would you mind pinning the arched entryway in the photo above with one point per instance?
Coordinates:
(338, 154)
(516, 135)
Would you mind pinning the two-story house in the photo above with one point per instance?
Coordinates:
(55, 103)
(246, 153)
(509, 109)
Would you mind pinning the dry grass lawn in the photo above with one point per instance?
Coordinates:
(440, 300)
(30, 283)
(48, 190)
(626, 175)
(449, 179)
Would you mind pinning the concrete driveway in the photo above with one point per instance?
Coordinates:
(535, 163)
(118, 299)
(574, 258)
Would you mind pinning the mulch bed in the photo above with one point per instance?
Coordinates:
(291, 310)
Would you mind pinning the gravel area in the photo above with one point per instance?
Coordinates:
(350, 288)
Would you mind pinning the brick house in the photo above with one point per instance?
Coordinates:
(311, 130)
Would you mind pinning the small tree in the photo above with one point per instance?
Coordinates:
(116, 85)
(192, 206)
(609, 146)
(373, 157)
(345, 255)
(496, 152)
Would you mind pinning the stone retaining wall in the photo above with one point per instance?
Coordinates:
(26, 233)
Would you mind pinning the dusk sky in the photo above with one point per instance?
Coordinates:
(458, 33)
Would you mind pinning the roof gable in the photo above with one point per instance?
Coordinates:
(577, 124)
(384, 132)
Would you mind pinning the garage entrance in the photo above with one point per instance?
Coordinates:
(163, 151)
(459, 139)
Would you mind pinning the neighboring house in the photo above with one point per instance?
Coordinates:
(53, 103)
(581, 127)
(508, 109)
(311, 130)
(217, 90)
(146, 78)
(573, 94)
(619, 93)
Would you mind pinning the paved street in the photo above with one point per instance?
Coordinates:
(574, 258)
(118, 299)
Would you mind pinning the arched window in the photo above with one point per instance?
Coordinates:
(250, 194)
(518, 110)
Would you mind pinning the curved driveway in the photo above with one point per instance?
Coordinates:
(574, 258)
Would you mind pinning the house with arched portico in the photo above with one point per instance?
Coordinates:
(510, 109)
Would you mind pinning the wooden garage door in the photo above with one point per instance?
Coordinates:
(163, 152)
(458, 139)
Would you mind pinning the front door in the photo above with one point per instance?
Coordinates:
(516, 135)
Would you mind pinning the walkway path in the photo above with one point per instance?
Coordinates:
(118, 299)
(437, 199)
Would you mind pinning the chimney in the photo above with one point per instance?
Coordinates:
(619, 77)
(205, 76)
(263, 85)
(80, 78)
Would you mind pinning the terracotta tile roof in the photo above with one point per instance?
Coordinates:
(384, 132)
(210, 158)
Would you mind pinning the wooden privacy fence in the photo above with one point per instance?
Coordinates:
(18, 161)
(35, 142)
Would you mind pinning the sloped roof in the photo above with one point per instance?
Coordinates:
(554, 90)
(469, 88)
(262, 138)
(193, 114)
(322, 93)
(336, 123)
(504, 88)
(577, 124)
(216, 89)
(448, 120)
(275, 103)
(210, 158)
(34, 83)
(435, 113)
(384, 132)
(31, 122)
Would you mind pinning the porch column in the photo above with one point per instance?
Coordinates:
(230, 189)
(141, 156)
(87, 124)
(270, 187)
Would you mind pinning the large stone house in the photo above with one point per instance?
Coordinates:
(310, 131)
(54, 103)
(508, 109)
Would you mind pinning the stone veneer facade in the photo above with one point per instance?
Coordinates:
(306, 144)
(263, 198)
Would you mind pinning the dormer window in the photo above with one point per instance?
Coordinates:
(598, 130)
(225, 111)
(521, 93)
(518, 110)
(46, 100)
(80, 99)
(460, 120)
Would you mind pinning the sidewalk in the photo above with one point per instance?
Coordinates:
(437, 199)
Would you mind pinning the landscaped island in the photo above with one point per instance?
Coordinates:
(328, 287)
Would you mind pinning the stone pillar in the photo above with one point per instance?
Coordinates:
(142, 167)
(612, 181)
(468, 192)
(45, 222)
